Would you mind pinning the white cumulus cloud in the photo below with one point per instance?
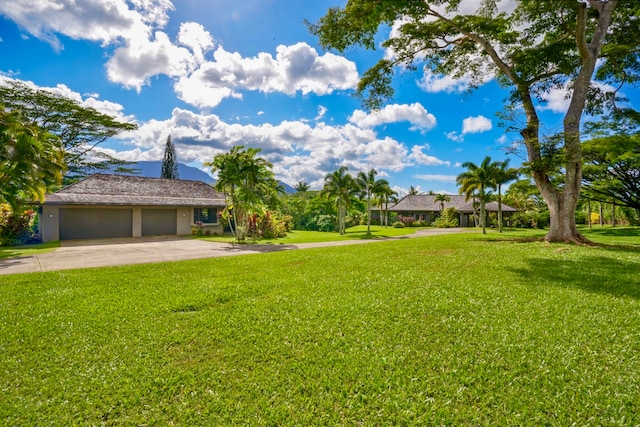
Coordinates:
(296, 68)
(298, 150)
(477, 124)
(415, 114)
(420, 157)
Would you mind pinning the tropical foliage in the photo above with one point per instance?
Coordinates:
(79, 129)
(371, 188)
(532, 49)
(478, 178)
(612, 170)
(248, 181)
(340, 188)
(31, 160)
(448, 218)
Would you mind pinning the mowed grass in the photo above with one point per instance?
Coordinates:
(358, 232)
(460, 329)
(27, 250)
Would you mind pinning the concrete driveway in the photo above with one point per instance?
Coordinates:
(110, 252)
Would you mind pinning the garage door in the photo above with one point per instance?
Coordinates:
(95, 223)
(159, 222)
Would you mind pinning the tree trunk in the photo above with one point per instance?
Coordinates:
(562, 219)
(368, 214)
(499, 210)
(613, 215)
(601, 220)
(483, 212)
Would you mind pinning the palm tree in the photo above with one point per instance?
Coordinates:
(31, 160)
(368, 187)
(340, 187)
(503, 174)
(413, 191)
(477, 178)
(302, 187)
(383, 197)
(442, 198)
(246, 180)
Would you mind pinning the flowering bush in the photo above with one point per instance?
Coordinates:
(197, 228)
(268, 225)
(406, 220)
(15, 228)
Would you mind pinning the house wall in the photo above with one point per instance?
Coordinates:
(49, 223)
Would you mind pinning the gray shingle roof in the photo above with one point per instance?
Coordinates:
(427, 203)
(102, 189)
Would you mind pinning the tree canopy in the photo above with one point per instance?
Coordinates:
(79, 129)
(31, 160)
(612, 169)
(531, 48)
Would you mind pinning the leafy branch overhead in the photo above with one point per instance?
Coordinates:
(80, 129)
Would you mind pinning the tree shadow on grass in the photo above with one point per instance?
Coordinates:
(599, 275)
(613, 231)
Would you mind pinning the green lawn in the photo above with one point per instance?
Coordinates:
(460, 329)
(358, 232)
(27, 250)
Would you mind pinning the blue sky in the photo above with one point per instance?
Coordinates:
(219, 73)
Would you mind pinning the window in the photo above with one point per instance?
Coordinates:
(205, 215)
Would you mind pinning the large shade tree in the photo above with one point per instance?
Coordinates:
(612, 169)
(530, 46)
(78, 128)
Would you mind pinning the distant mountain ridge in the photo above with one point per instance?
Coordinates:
(153, 169)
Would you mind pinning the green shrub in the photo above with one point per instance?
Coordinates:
(323, 223)
(530, 219)
(448, 219)
(398, 224)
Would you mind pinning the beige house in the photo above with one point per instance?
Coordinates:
(109, 206)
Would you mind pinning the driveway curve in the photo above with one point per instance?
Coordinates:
(114, 252)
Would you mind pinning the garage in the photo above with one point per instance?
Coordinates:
(93, 223)
(159, 222)
(115, 206)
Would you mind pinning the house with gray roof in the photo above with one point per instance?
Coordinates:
(425, 207)
(110, 206)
